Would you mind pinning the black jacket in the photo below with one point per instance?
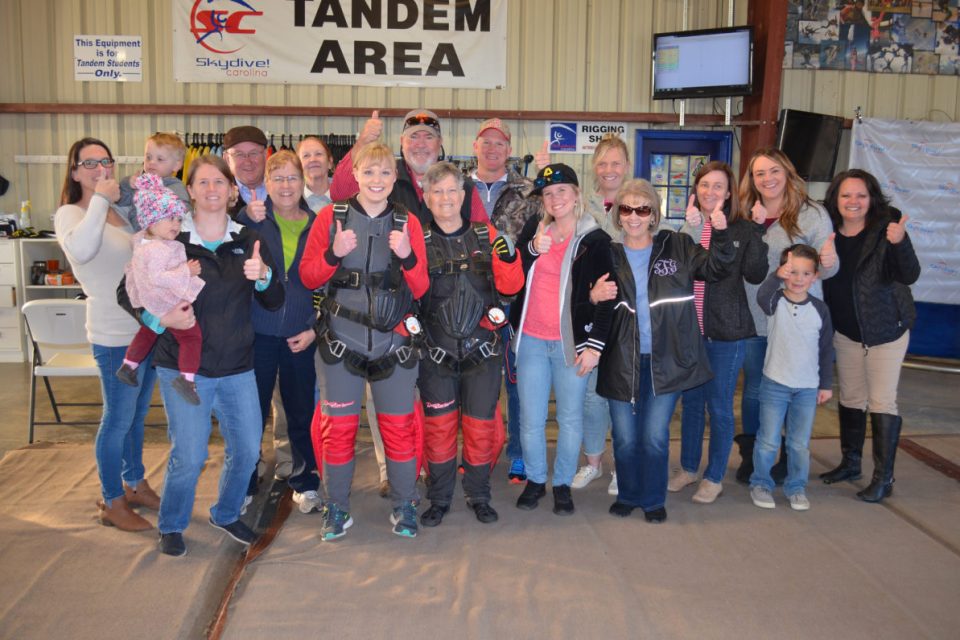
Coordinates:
(882, 302)
(679, 357)
(405, 193)
(223, 307)
(726, 315)
(589, 323)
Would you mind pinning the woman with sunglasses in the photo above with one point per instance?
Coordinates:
(659, 348)
(776, 197)
(725, 323)
(96, 242)
(560, 333)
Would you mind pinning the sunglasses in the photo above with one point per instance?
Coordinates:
(90, 163)
(422, 119)
(643, 210)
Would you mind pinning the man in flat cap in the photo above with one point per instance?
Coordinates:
(245, 149)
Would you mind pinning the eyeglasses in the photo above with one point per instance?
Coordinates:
(422, 119)
(285, 179)
(643, 210)
(90, 163)
(241, 156)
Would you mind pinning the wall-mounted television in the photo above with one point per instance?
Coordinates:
(703, 64)
(811, 141)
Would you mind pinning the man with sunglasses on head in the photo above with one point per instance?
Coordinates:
(245, 149)
(421, 146)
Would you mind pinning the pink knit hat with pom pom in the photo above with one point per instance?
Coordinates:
(155, 202)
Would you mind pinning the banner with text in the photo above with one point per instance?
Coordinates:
(411, 43)
(581, 137)
(916, 165)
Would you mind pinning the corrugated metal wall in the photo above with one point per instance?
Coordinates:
(564, 55)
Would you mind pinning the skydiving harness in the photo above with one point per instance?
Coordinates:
(392, 304)
(480, 262)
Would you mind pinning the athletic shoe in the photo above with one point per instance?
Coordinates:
(682, 478)
(530, 497)
(562, 500)
(308, 501)
(799, 502)
(335, 522)
(404, 520)
(585, 475)
(612, 488)
(707, 492)
(236, 530)
(518, 473)
(762, 498)
(172, 544)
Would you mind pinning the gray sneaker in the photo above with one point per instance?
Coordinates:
(762, 498)
(799, 502)
(335, 522)
(404, 520)
(308, 501)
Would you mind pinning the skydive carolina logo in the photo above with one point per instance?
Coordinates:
(216, 24)
(563, 136)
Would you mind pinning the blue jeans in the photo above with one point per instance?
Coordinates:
(726, 359)
(540, 366)
(641, 443)
(514, 449)
(755, 350)
(798, 406)
(234, 401)
(596, 419)
(272, 358)
(119, 444)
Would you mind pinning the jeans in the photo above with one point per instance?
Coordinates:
(755, 350)
(234, 401)
(798, 406)
(726, 359)
(540, 366)
(596, 419)
(641, 443)
(272, 357)
(514, 450)
(119, 444)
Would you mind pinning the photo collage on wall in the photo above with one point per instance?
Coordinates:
(672, 177)
(879, 36)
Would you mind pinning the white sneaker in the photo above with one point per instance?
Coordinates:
(762, 498)
(586, 474)
(682, 478)
(308, 501)
(799, 502)
(612, 488)
(247, 501)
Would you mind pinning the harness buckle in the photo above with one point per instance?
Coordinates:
(437, 354)
(337, 347)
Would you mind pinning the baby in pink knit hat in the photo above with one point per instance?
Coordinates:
(159, 278)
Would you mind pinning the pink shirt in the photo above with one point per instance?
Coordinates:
(543, 308)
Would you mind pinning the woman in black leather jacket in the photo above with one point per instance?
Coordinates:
(872, 311)
(659, 349)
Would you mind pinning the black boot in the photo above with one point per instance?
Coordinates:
(886, 437)
(745, 443)
(779, 471)
(853, 429)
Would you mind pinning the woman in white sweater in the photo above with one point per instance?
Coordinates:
(96, 241)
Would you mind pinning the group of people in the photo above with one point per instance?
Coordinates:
(406, 287)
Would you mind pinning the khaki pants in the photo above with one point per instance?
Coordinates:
(868, 379)
(281, 443)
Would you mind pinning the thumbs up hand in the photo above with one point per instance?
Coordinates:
(400, 242)
(692, 214)
(828, 252)
(257, 210)
(253, 267)
(759, 212)
(542, 241)
(372, 129)
(603, 289)
(897, 231)
(542, 158)
(344, 241)
(718, 220)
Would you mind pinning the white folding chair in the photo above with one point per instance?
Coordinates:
(60, 348)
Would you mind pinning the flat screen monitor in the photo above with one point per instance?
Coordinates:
(811, 141)
(703, 64)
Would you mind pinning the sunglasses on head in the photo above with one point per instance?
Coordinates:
(643, 210)
(90, 163)
(422, 119)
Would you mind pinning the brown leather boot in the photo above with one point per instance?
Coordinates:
(119, 515)
(142, 496)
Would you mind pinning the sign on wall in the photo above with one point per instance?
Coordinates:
(415, 43)
(107, 58)
(916, 165)
(581, 137)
